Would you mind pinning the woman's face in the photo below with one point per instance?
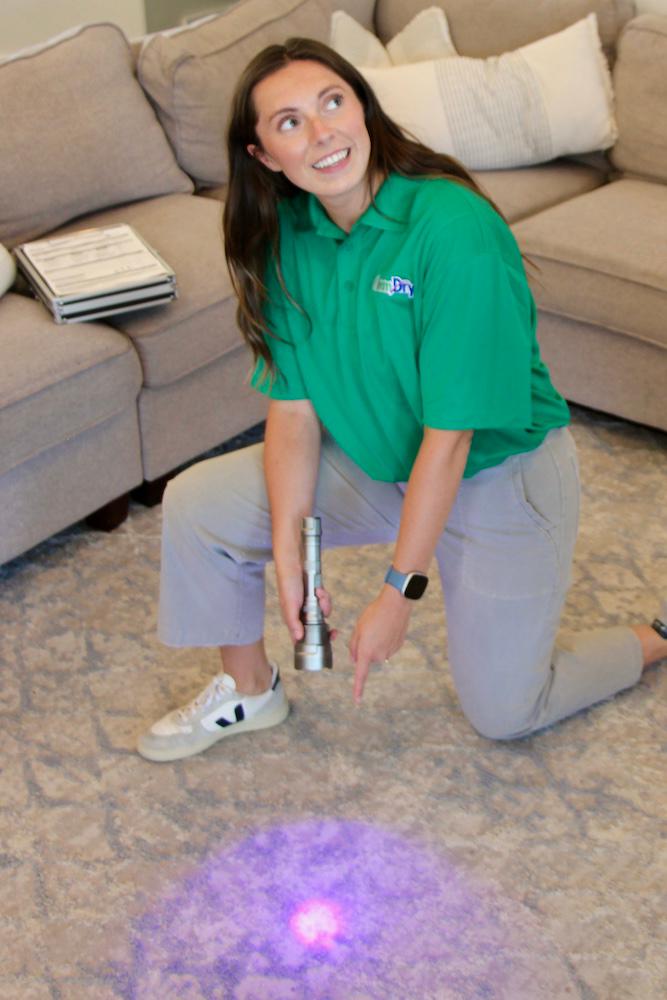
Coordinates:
(310, 125)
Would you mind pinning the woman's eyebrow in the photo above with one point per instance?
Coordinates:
(283, 111)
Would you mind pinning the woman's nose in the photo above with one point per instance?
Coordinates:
(319, 129)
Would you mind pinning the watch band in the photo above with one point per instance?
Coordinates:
(411, 585)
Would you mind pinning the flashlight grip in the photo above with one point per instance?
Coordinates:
(313, 652)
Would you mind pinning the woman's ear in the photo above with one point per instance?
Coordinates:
(258, 153)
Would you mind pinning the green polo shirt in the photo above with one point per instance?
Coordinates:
(420, 316)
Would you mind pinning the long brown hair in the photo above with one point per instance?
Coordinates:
(251, 226)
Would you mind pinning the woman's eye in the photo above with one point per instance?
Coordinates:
(334, 101)
(288, 123)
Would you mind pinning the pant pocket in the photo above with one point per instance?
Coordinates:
(513, 540)
(537, 477)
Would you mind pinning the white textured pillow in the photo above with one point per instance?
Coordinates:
(425, 37)
(547, 99)
(7, 270)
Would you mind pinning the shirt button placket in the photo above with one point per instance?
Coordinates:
(345, 283)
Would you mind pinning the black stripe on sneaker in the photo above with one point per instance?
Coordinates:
(240, 716)
(660, 627)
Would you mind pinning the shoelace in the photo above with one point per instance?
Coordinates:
(215, 689)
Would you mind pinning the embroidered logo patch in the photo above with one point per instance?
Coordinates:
(394, 286)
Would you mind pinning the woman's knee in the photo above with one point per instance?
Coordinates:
(212, 490)
(503, 675)
(194, 506)
(180, 497)
(498, 725)
(501, 715)
(220, 505)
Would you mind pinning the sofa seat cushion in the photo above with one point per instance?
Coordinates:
(527, 190)
(57, 381)
(603, 258)
(198, 327)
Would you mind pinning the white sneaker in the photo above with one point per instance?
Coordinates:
(218, 711)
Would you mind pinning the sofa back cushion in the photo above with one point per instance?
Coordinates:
(191, 73)
(78, 134)
(362, 10)
(496, 26)
(640, 87)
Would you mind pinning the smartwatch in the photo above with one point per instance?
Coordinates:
(411, 585)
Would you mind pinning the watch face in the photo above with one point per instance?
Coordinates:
(415, 586)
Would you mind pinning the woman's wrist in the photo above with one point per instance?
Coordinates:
(392, 598)
(287, 563)
(287, 557)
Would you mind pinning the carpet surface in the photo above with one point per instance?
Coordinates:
(387, 853)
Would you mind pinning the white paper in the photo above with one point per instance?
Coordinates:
(95, 260)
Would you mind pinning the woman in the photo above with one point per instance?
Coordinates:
(386, 304)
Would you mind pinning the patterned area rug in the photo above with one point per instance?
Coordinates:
(387, 853)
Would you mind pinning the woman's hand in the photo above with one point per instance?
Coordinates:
(291, 595)
(379, 633)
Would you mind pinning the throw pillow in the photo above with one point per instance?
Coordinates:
(78, 133)
(191, 73)
(548, 99)
(425, 37)
(7, 270)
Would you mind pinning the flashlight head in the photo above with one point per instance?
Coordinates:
(313, 652)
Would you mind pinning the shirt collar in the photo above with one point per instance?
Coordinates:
(389, 212)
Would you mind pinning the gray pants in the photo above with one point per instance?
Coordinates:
(504, 561)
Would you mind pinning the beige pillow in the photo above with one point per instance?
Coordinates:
(78, 134)
(425, 37)
(363, 11)
(191, 74)
(550, 98)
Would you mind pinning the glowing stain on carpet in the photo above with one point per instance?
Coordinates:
(316, 923)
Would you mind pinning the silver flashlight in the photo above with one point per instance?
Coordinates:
(313, 652)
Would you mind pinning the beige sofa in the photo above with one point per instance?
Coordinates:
(105, 132)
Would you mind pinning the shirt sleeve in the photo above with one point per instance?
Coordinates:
(475, 355)
(287, 382)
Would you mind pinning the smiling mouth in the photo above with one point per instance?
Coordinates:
(332, 160)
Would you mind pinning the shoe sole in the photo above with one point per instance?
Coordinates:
(263, 721)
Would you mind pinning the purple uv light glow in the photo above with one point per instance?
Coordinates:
(329, 909)
(316, 923)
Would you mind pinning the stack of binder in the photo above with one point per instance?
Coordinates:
(96, 272)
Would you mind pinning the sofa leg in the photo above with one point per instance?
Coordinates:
(111, 515)
(151, 490)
